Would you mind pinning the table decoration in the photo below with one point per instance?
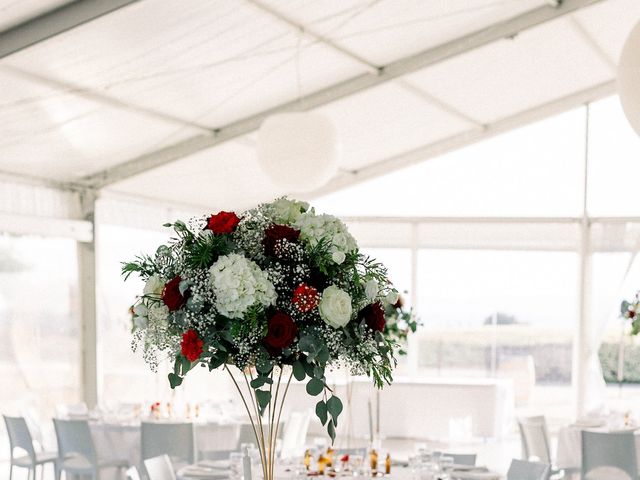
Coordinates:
(277, 292)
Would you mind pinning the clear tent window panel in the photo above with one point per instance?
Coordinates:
(536, 170)
(39, 329)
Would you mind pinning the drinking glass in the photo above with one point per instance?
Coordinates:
(235, 466)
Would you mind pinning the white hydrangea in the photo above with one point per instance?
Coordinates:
(314, 228)
(238, 283)
(155, 315)
(288, 211)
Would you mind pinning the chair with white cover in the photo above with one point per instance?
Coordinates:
(467, 459)
(176, 440)
(20, 439)
(132, 473)
(295, 434)
(77, 453)
(609, 455)
(523, 470)
(159, 468)
(534, 437)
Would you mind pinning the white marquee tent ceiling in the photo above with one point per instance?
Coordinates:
(160, 99)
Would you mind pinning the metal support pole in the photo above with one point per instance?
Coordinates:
(582, 340)
(413, 352)
(87, 288)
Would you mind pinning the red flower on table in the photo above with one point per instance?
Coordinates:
(222, 222)
(171, 295)
(305, 298)
(191, 345)
(281, 331)
(275, 234)
(373, 315)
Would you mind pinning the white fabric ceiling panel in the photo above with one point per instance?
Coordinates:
(510, 76)
(13, 12)
(385, 121)
(224, 177)
(609, 24)
(384, 31)
(48, 133)
(206, 62)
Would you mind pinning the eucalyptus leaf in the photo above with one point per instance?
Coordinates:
(334, 406)
(174, 380)
(331, 430)
(321, 411)
(315, 387)
(263, 397)
(298, 370)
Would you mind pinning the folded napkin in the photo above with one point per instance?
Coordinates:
(219, 464)
(204, 473)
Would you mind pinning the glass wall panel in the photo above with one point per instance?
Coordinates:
(535, 170)
(39, 328)
(505, 314)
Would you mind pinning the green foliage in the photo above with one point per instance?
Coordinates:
(143, 266)
(322, 412)
(315, 387)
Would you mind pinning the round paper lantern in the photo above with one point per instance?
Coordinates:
(629, 78)
(298, 151)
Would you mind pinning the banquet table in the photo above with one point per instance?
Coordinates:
(122, 440)
(203, 472)
(569, 452)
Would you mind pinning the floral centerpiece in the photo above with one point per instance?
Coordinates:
(400, 322)
(277, 292)
(631, 311)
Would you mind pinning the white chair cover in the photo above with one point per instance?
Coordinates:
(523, 470)
(159, 468)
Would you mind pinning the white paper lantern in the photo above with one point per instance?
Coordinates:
(298, 151)
(629, 78)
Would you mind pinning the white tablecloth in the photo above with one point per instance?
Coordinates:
(123, 441)
(436, 408)
(569, 453)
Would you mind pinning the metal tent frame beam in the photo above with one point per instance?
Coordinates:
(394, 70)
(55, 22)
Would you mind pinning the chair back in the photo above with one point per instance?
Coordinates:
(615, 450)
(132, 473)
(534, 437)
(295, 434)
(74, 438)
(462, 458)
(159, 468)
(523, 470)
(19, 435)
(176, 440)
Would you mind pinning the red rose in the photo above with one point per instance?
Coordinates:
(305, 298)
(373, 316)
(171, 295)
(191, 345)
(281, 331)
(274, 233)
(222, 222)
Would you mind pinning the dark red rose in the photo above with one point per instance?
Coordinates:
(373, 316)
(171, 295)
(305, 298)
(191, 345)
(222, 222)
(281, 331)
(274, 233)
